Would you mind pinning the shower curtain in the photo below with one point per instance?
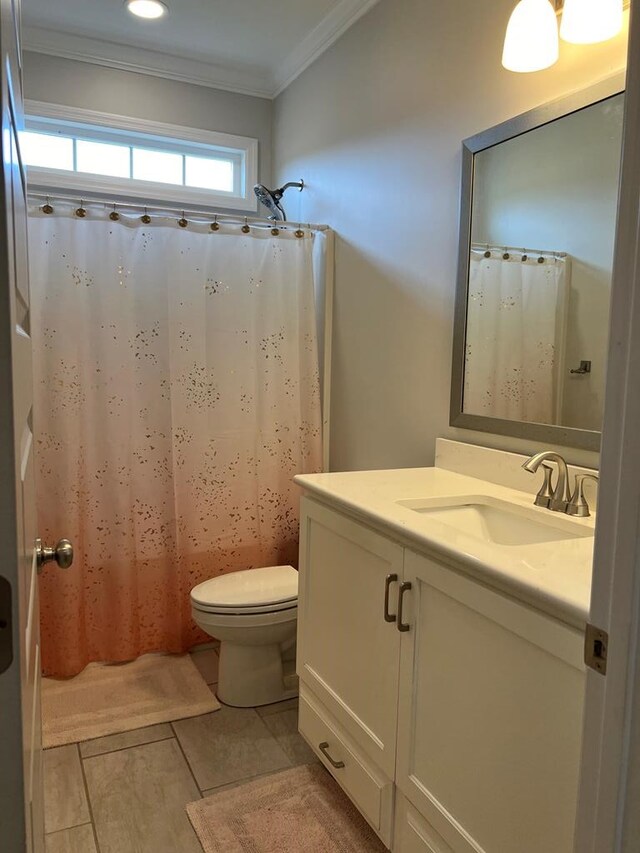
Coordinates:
(177, 394)
(515, 337)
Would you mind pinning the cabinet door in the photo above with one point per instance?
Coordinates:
(348, 655)
(490, 716)
(413, 834)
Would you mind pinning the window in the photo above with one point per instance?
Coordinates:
(81, 150)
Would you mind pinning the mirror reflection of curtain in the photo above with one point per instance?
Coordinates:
(515, 337)
(177, 394)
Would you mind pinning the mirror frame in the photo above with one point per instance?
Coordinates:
(549, 433)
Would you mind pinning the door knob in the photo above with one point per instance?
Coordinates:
(62, 554)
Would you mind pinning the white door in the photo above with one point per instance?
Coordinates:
(21, 793)
(608, 814)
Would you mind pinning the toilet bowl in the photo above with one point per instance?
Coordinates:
(253, 613)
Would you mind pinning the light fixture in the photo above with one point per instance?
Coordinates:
(531, 43)
(148, 9)
(590, 21)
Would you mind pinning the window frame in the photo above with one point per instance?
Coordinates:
(243, 150)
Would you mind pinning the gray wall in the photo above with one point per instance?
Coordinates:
(95, 87)
(374, 126)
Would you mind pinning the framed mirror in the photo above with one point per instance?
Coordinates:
(537, 233)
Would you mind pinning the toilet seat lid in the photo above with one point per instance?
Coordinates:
(268, 586)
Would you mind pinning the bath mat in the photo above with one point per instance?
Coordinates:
(302, 809)
(108, 699)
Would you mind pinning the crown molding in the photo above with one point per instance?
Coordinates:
(230, 78)
(320, 39)
(144, 61)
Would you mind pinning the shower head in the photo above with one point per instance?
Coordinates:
(270, 201)
(271, 198)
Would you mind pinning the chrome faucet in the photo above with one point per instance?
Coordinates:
(578, 505)
(558, 498)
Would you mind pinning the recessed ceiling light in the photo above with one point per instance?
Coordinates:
(148, 9)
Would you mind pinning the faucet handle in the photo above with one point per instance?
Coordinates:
(545, 495)
(578, 505)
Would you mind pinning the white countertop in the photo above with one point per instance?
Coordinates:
(552, 576)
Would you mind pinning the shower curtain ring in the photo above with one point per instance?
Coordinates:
(114, 216)
(245, 227)
(215, 225)
(299, 233)
(183, 222)
(275, 231)
(46, 208)
(145, 218)
(80, 211)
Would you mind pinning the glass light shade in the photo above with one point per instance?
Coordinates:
(590, 21)
(148, 9)
(531, 43)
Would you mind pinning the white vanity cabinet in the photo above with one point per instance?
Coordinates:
(412, 832)
(490, 715)
(349, 656)
(459, 735)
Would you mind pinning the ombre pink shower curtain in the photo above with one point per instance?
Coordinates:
(177, 394)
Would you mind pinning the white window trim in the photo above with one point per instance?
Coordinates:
(143, 191)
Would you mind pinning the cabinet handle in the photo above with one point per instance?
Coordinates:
(324, 749)
(404, 587)
(389, 617)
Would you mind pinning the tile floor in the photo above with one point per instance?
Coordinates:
(126, 793)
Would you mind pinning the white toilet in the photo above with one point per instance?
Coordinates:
(253, 613)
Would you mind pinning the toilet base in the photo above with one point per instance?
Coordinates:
(250, 676)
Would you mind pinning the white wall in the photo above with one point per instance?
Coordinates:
(374, 126)
(556, 188)
(95, 87)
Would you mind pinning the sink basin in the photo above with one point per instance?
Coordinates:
(497, 521)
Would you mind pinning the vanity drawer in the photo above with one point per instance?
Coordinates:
(412, 832)
(366, 785)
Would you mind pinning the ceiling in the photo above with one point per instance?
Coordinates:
(250, 46)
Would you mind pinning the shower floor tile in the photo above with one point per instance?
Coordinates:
(131, 789)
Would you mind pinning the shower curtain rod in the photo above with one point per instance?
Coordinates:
(484, 247)
(164, 210)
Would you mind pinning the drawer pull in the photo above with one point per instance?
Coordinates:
(404, 587)
(324, 749)
(389, 617)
